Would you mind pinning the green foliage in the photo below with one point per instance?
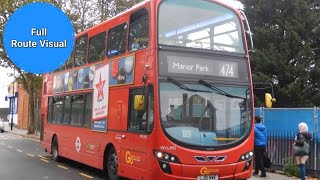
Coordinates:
(290, 168)
(31, 83)
(110, 8)
(82, 13)
(286, 37)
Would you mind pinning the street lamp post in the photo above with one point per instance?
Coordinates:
(12, 99)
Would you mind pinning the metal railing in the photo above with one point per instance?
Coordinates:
(279, 149)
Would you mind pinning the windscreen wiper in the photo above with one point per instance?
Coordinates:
(182, 86)
(219, 91)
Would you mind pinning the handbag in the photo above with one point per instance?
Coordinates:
(301, 150)
(266, 161)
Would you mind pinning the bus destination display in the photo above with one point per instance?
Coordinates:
(190, 65)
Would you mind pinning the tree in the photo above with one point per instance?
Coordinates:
(89, 13)
(83, 15)
(285, 35)
(31, 82)
(84, 12)
(110, 8)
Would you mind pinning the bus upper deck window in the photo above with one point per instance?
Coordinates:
(97, 46)
(81, 51)
(139, 30)
(117, 40)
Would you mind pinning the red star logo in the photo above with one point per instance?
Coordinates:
(99, 87)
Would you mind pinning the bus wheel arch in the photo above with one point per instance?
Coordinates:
(110, 162)
(55, 148)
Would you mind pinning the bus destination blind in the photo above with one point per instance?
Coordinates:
(190, 65)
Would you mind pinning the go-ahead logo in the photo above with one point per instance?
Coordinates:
(207, 171)
(130, 158)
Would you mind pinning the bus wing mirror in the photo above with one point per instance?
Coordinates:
(138, 102)
(268, 99)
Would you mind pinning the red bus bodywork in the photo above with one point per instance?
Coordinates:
(135, 151)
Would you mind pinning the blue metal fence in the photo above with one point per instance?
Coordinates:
(279, 149)
(278, 119)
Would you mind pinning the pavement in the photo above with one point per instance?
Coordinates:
(21, 132)
(274, 176)
(36, 136)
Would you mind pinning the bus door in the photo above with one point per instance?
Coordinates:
(140, 123)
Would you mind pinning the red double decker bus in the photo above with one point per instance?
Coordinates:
(161, 91)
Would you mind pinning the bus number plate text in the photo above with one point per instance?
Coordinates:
(210, 177)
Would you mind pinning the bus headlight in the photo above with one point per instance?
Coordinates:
(159, 155)
(164, 160)
(163, 156)
(247, 156)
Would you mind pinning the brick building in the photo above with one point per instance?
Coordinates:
(23, 104)
(21, 113)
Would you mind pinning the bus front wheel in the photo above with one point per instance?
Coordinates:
(55, 150)
(112, 165)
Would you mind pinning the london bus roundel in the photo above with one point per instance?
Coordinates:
(78, 144)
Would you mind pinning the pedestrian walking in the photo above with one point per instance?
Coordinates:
(260, 142)
(301, 148)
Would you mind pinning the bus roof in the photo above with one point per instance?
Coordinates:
(108, 20)
(140, 4)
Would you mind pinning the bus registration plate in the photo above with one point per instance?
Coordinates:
(210, 177)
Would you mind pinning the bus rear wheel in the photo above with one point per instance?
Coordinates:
(55, 150)
(112, 165)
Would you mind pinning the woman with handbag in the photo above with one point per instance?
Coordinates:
(301, 148)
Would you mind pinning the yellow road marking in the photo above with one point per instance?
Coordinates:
(19, 150)
(30, 155)
(62, 167)
(10, 147)
(44, 160)
(87, 176)
(43, 157)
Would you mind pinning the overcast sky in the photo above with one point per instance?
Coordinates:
(4, 82)
(237, 4)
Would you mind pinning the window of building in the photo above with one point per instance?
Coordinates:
(50, 105)
(139, 30)
(76, 110)
(141, 119)
(117, 40)
(81, 51)
(88, 111)
(57, 114)
(67, 110)
(97, 46)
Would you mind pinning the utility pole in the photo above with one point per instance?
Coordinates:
(12, 99)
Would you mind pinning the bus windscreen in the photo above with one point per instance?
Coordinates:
(199, 24)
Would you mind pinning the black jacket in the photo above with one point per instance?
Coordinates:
(301, 138)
